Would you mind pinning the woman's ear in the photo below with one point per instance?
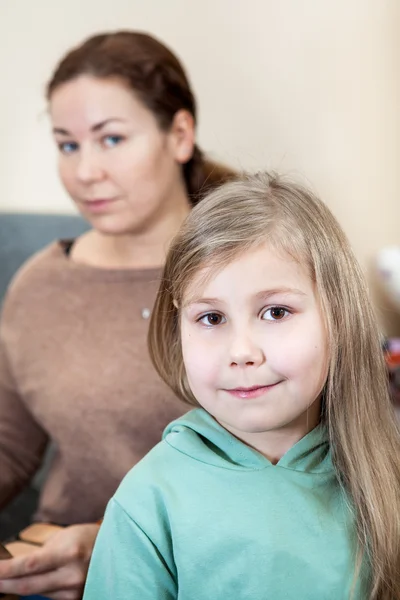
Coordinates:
(183, 136)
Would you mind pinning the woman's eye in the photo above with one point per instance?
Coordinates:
(112, 140)
(275, 313)
(211, 319)
(68, 147)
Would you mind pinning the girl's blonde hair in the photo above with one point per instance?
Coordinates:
(357, 410)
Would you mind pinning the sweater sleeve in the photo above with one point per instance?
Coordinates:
(128, 563)
(22, 440)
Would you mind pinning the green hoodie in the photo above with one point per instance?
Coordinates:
(205, 517)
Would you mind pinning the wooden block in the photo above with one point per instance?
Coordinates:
(39, 533)
(20, 548)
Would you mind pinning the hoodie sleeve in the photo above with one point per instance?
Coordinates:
(127, 563)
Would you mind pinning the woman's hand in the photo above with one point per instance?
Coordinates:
(56, 570)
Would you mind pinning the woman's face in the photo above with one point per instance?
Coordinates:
(122, 171)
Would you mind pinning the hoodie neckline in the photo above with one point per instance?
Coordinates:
(201, 437)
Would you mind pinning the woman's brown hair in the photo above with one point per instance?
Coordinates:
(157, 78)
(357, 410)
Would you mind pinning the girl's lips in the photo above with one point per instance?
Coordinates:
(252, 392)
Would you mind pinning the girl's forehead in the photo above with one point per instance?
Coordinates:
(249, 271)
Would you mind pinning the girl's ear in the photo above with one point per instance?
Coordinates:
(174, 302)
(183, 136)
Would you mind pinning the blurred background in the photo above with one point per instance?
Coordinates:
(308, 87)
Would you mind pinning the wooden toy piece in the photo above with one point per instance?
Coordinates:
(39, 533)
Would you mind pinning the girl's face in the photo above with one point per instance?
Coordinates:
(255, 347)
(123, 173)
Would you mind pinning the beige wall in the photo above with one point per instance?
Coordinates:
(306, 86)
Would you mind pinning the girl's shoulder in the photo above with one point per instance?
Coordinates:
(149, 476)
(146, 488)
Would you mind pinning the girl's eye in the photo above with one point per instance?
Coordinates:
(68, 147)
(275, 313)
(112, 140)
(211, 319)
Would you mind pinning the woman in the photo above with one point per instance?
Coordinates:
(74, 366)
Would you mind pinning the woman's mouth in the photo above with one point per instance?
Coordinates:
(99, 205)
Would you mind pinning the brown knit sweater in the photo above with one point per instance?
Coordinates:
(74, 368)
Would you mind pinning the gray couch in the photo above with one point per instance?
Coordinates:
(21, 235)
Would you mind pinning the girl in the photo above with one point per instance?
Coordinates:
(285, 484)
(74, 366)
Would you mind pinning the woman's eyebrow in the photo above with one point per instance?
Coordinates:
(94, 128)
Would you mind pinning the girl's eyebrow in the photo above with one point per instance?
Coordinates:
(192, 301)
(266, 294)
(263, 295)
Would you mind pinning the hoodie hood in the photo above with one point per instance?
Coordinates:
(198, 435)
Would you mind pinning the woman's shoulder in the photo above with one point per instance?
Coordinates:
(33, 283)
(38, 269)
